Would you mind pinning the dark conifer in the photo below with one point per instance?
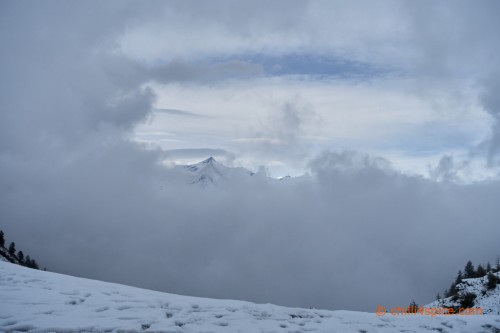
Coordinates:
(492, 281)
(27, 262)
(20, 257)
(480, 272)
(453, 290)
(469, 270)
(413, 307)
(12, 249)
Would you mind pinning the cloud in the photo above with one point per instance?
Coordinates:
(353, 235)
(284, 27)
(281, 135)
(192, 155)
(176, 112)
(456, 43)
(178, 71)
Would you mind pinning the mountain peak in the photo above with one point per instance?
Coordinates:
(210, 171)
(209, 160)
(210, 163)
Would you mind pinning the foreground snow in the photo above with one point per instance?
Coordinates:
(38, 301)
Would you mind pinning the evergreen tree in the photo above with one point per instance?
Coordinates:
(453, 289)
(480, 272)
(27, 262)
(497, 269)
(438, 297)
(12, 249)
(492, 281)
(459, 277)
(31, 263)
(467, 300)
(488, 267)
(469, 270)
(413, 307)
(2, 239)
(20, 256)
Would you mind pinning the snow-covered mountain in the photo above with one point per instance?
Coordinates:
(210, 171)
(479, 295)
(38, 301)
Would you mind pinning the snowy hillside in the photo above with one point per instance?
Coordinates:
(38, 301)
(2, 258)
(488, 300)
(5, 256)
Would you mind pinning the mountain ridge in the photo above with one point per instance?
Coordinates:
(211, 172)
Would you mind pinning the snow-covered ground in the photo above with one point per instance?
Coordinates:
(488, 300)
(38, 301)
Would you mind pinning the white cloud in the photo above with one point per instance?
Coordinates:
(363, 30)
(382, 114)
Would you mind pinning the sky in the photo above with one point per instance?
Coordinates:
(389, 108)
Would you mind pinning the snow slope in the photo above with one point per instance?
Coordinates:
(38, 301)
(5, 256)
(488, 300)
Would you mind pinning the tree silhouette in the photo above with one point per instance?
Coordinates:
(453, 290)
(469, 270)
(413, 307)
(17, 256)
(480, 272)
(492, 281)
(12, 249)
(27, 262)
(20, 256)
